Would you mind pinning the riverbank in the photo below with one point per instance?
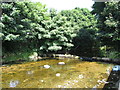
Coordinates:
(101, 59)
(17, 58)
(28, 57)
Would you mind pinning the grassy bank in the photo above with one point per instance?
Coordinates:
(18, 57)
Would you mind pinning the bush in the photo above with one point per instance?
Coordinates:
(86, 44)
(113, 54)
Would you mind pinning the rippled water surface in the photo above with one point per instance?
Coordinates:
(73, 73)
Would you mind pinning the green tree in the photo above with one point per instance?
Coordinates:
(20, 22)
(108, 23)
(57, 36)
(30, 24)
(84, 25)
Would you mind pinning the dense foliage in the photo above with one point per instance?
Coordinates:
(31, 25)
(84, 25)
(29, 22)
(19, 23)
(107, 14)
(28, 26)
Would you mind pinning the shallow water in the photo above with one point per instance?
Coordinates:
(73, 74)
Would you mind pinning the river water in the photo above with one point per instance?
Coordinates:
(54, 73)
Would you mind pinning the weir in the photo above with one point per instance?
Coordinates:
(114, 77)
(114, 81)
(99, 59)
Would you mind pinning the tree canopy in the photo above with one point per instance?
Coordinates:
(108, 23)
(28, 25)
(50, 31)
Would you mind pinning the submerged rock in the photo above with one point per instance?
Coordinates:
(13, 83)
(59, 86)
(80, 76)
(42, 80)
(29, 72)
(75, 81)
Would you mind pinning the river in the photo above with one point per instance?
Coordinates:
(71, 73)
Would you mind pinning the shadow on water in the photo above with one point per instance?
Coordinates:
(114, 80)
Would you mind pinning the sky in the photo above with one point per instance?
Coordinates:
(66, 4)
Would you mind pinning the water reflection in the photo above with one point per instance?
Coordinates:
(14, 83)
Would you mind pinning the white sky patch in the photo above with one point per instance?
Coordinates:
(66, 4)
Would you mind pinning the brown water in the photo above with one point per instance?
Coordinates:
(73, 74)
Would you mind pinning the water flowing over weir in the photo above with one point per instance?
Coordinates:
(113, 79)
(64, 73)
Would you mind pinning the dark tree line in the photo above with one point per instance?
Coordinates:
(107, 14)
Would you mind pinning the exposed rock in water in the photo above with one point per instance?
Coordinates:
(58, 74)
(46, 66)
(61, 63)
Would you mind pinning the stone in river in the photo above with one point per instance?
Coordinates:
(61, 63)
(46, 66)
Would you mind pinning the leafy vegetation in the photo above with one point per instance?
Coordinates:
(107, 14)
(28, 26)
